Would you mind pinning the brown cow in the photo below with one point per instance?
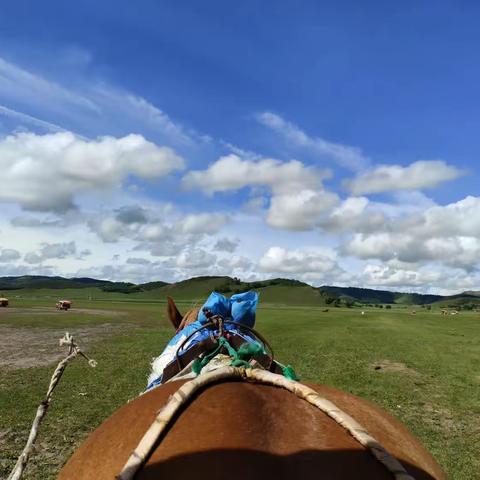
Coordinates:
(241, 431)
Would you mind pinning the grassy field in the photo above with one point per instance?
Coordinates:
(423, 368)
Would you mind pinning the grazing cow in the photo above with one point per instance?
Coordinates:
(3, 302)
(239, 430)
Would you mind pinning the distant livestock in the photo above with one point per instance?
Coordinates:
(63, 304)
(3, 302)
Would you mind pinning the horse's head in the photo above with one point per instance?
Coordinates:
(178, 320)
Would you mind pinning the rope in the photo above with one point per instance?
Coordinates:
(73, 351)
(188, 389)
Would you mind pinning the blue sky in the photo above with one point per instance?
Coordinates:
(334, 142)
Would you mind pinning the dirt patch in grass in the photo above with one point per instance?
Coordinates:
(34, 347)
(388, 366)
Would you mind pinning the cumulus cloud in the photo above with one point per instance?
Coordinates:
(307, 264)
(235, 263)
(226, 245)
(302, 210)
(449, 235)
(137, 261)
(131, 214)
(428, 279)
(353, 214)
(346, 156)
(50, 251)
(33, 222)
(46, 172)
(162, 235)
(298, 197)
(9, 255)
(386, 276)
(416, 176)
(195, 258)
(202, 223)
(233, 173)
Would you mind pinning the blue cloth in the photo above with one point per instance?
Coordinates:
(218, 305)
(240, 308)
(244, 307)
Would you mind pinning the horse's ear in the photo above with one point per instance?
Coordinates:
(173, 314)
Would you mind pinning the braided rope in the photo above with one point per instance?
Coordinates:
(73, 351)
(187, 390)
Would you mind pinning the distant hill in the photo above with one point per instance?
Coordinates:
(462, 301)
(57, 283)
(471, 293)
(278, 290)
(274, 291)
(367, 295)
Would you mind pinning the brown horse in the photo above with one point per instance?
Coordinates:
(242, 431)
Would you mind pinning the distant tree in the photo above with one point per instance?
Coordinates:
(388, 307)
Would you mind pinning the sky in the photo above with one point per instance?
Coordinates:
(331, 142)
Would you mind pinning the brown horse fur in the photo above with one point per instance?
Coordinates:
(240, 431)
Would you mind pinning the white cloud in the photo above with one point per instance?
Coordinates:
(22, 86)
(137, 110)
(138, 261)
(384, 275)
(233, 173)
(49, 251)
(428, 279)
(346, 156)
(45, 172)
(131, 214)
(298, 198)
(25, 119)
(416, 176)
(301, 210)
(195, 258)
(226, 245)
(202, 223)
(235, 263)
(308, 264)
(88, 107)
(448, 235)
(9, 255)
(354, 214)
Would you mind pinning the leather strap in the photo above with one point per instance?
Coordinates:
(208, 345)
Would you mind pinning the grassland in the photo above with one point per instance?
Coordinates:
(424, 368)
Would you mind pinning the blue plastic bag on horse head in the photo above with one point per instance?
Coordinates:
(244, 307)
(240, 308)
(218, 305)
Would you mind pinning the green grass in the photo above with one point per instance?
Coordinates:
(436, 394)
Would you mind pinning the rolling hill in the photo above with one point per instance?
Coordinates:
(367, 295)
(274, 291)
